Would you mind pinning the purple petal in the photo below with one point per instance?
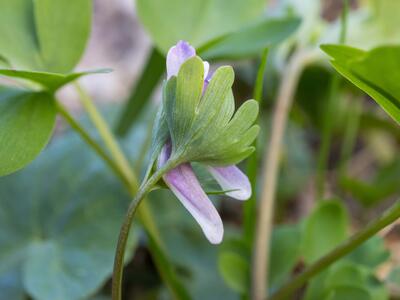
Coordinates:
(232, 178)
(183, 183)
(177, 55)
(180, 53)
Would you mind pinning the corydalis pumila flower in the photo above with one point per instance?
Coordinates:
(198, 111)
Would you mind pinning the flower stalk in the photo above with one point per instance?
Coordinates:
(126, 226)
(128, 178)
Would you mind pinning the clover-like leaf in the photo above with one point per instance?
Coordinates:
(376, 72)
(202, 126)
(59, 222)
(26, 124)
(44, 35)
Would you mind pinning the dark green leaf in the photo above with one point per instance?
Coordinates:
(26, 124)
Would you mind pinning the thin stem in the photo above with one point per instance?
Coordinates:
(391, 215)
(125, 229)
(164, 266)
(249, 207)
(106, 134)
(91, 142)
(270, 172)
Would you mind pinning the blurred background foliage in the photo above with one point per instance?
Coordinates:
(60, 216)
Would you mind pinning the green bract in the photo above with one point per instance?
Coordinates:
(202, 126)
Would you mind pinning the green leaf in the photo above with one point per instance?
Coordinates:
(17, 30)
(324, 229)
(48, 81)
(250, 41)
(343, 280)
(62, 29)
(44, 35)
(285, 252)
(26, 124)
(234, 269)
(59, 222)
(195, 21)
(349, 293)
(371, 254)
(365, 68)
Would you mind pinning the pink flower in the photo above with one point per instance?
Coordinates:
(182, 180)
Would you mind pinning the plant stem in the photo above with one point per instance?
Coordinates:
(125, 229)
(106, 135)
(164, 267)
(249, 207)
(91, 142)
(391, 215)
(289, 81)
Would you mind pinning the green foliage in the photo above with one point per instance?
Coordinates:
(195, 21)
(324, 229)
(187, 248)
(346, 280)
(285, 253)
(234, 269)
(370, 254)
(59, 220)
(44, 35)
(378, 188)
(250, 41)
(365, 68)
(46, 80)
(205, 130)
(26, 124)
